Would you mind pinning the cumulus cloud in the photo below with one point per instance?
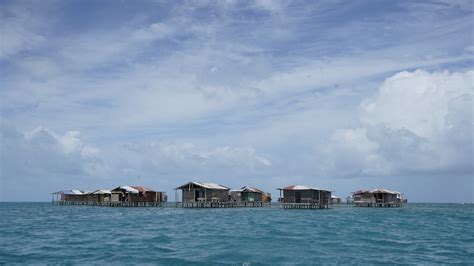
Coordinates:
(417, 101)
(417, 122)
(42, 157)
(43, 152)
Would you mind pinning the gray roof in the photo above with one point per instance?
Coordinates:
(248, 189)
(204, 185)
(102, 191)
(302, 187)
(71, 192)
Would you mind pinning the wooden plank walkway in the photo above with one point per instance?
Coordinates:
(304, 206)
(111, 204)
(379, 205)
(224, 204)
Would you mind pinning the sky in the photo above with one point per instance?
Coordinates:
(341, 95)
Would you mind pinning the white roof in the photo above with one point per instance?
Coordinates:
(334, 197)
(213, 186)
(383, 190)
(301, 187)
(72, 192)
(204, 185)
(129, 189)
(102, 191)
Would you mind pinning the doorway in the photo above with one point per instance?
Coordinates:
(297, 196)
(196, 195)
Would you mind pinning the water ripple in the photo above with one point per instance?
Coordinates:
(419, 233)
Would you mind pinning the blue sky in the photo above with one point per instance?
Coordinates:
(342, 95)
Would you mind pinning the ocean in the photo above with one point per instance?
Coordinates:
(418, 233)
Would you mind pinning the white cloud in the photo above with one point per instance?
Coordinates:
(191, 160)
(273, 6)
(236, 88)
(43, 158)
(353, 152)
(417, 101)
(68, 143)
(417, 122)
(19, 30)
(42, 154)
(346, 70)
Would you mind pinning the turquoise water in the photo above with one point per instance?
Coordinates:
(417, 233)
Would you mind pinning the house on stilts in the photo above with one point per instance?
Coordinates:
(335, 199)
(135, 196)
(70, 196)
(304, 197)
(250, 197)
(377, 198)
(203, 195)
(123, 196)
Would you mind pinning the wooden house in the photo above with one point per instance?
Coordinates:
(197, 194)
(377, 198)
(100, 196)
(126, 196)
(70, 196)
(137, 195)
(250, 195)
(304, 197)
(335, 199)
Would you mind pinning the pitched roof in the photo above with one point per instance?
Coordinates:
(251, 189)
(383, 190)
(142, 188)
(301, 187)
(102, 191)
(203, 185)
(377, 190)
(128, 189)
(361, 191)
(73, 192)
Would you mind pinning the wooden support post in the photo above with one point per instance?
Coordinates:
(176, 197)
(281, 198)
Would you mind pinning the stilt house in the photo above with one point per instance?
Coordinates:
(197, 192)
(377, 198)
(299, 196)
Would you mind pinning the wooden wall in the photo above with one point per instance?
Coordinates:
(221, 194)
(307, 196)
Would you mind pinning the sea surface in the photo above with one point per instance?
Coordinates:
(418, 233)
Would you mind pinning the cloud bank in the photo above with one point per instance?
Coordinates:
(417, 122)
